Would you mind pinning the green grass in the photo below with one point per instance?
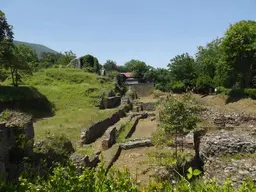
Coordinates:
(237, 156)
(75, 95)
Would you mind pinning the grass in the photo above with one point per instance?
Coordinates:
(75, 95)
(237, 156)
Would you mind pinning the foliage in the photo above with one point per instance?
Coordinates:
(178, 87)
(207, 59)
(90, 64)
(239, 47)
(65, 58)
(67, 179)
(223, 90)
(178, 116)
(138, 68)
(192, 173)
(250, 92)
(161, 77)
(183, 68)
(110, 65)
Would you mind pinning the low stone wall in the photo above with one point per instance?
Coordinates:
(98, 129)
(148, 106)
(226, 142)
(136, 144)
(110, 102)
(84, 161)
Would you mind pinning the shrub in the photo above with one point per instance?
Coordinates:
(223, 90)
(250, 92)
(178, 87)
(237, 93)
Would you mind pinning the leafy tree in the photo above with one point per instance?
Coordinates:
(161, 77)
(65, 58)
(110, 65)
(90, 64)
(183, 68)
(121, 69)
(138, 68)
(239, 48)
(178, 117)
(48, 60)
(20, 62)
(207, 59)
(6, 38)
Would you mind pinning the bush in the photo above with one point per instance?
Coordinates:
(237, 93)
(178, 87)
(223, 90)
(250, 93)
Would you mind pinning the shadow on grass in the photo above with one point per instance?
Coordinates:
(25, 99)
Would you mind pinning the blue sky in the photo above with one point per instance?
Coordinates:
(149, 30)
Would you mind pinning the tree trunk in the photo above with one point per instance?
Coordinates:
(176, 144)
(16, 78)
(13, 80)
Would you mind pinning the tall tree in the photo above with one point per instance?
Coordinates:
(138, 68)
(183, 68)
(239, 47)
(21, 61)
(207, 59)
(110, 65)
(6, 38)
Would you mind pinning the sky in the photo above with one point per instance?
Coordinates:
(148, 30)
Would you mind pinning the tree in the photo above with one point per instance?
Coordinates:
(239, 48)
(90, 64)
(110, 65)
(20, 62)
(161, 77)
(183, 68)
(207, 59)
(138, 68)
(121, 69)
(48, 59)
(6, 38)
(178, 117)
(65, 58)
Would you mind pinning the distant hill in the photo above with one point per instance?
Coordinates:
(39, 49)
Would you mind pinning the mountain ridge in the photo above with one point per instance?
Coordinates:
(38, 48)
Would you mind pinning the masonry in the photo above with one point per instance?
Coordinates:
(142, 89)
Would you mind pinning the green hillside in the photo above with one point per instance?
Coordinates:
(39, 49)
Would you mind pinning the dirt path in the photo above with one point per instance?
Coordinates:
(137, 162)
(145, 128)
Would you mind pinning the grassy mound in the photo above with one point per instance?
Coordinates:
(75, 95)
(26, 99)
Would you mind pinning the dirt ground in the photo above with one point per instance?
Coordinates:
(145, 128)
(222, 103)
(137, 162)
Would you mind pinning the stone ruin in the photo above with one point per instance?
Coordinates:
(16, 142)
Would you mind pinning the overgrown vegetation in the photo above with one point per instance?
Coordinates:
(67, 179)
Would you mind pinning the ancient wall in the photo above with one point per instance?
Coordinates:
(142, 89)
(92, 133)
(16, 142)
(110, 102)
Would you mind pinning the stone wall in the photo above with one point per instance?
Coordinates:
(92, 133)
(16, 142)
(110, 102)
(142, 89)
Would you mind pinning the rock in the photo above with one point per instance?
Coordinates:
(136, 144)
(109, 138)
